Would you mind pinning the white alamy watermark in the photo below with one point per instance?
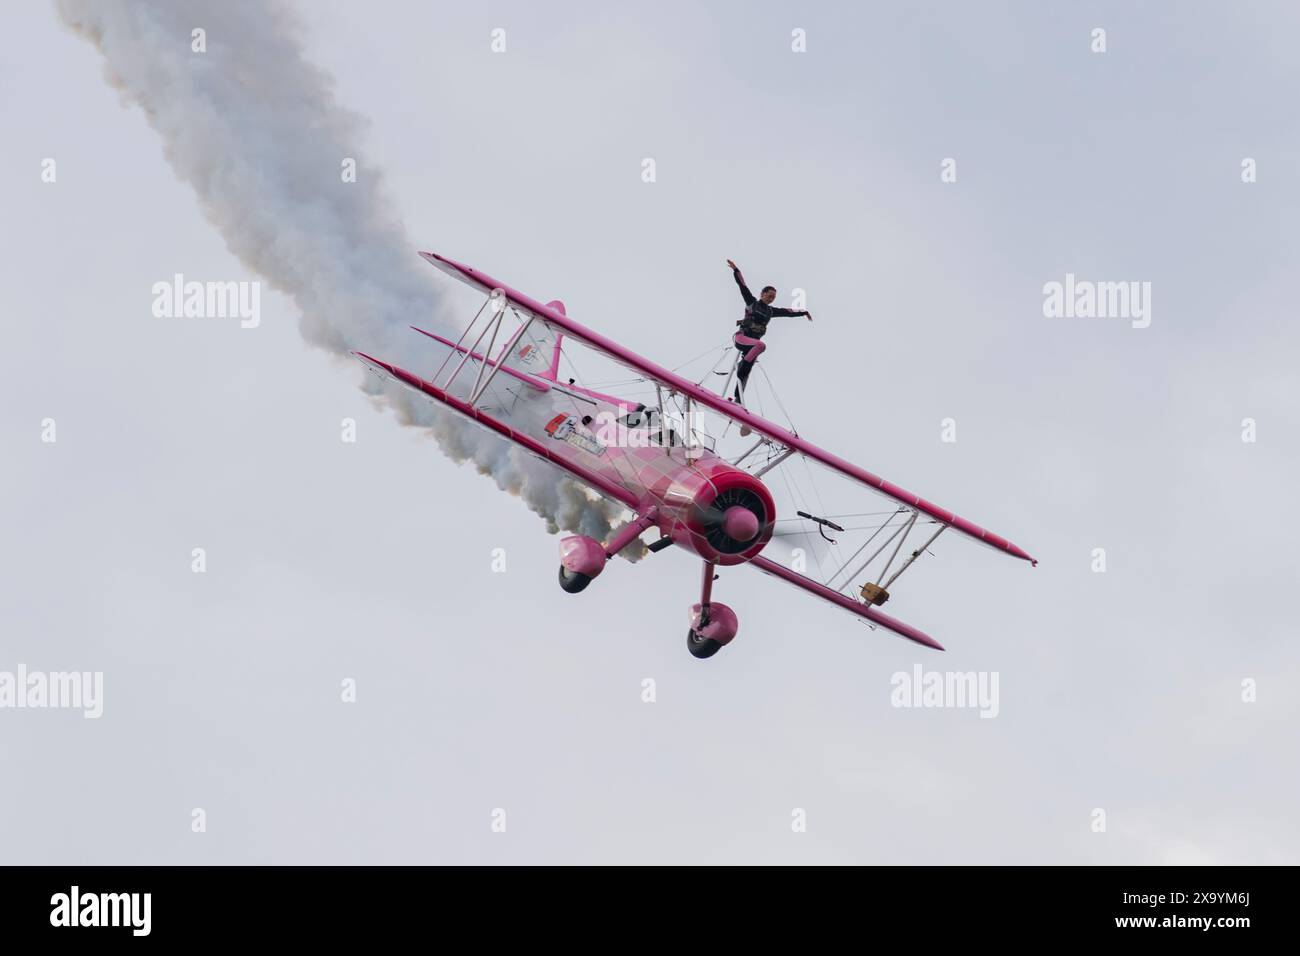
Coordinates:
(76, 908)
(946, 689)
(639, 428)
(208, 300)
(1085, 299)
(59, 690)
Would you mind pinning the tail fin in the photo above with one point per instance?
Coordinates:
(553, 372)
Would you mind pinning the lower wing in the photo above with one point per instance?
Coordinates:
(603, 484)
(865, 611)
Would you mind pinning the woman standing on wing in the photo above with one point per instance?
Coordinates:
(758, 312)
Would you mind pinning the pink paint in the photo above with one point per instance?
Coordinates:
(683, 491)
(630, 532)
(540, 382)
(723, 623)
(867, 611)
(582, 555)
(702, 503)
(522, 376)
(740, 523)
(602, 483)
(758, 347)
(719, 404)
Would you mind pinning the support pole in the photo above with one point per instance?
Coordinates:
(472, 323)
(875, 554)
(631, 531)
(907, 529)
(753, 448)
(659, 399)
(706, 592)
(915, 554)
(493, 323)
(862, 547)
(496, 366)
(474, 392)
(774, 462)
(730, 375)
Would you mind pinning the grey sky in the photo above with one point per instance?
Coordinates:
(479, 690)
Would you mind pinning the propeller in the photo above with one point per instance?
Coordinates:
(733, 520)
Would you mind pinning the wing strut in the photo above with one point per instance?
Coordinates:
(915, 554)
(862, 567)
(496, 366)
(498, 304)
(773, 463)
(495, 296)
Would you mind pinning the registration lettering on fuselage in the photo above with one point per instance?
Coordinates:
(566, 428)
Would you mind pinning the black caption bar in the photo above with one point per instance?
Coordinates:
(335, 904)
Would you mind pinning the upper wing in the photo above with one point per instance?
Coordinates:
(561, 323)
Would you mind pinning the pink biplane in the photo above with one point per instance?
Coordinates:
(658, 459)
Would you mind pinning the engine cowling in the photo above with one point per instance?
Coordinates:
(721, 513)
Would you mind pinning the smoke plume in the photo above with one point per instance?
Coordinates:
(256, 131)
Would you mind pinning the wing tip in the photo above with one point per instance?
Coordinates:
(438, 259)
(1022, 554)
(921, 638)
(378, 365)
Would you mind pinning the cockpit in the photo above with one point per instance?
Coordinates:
(649, 420)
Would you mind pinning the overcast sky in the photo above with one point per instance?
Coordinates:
(478, 690)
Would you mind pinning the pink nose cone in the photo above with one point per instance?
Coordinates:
(739, 523)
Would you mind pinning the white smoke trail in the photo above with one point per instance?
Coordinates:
(256, 131)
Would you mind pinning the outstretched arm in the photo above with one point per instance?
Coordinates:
(740, 281)
(777, 310)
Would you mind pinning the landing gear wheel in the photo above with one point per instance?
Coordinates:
(572, 581)
(701, 647)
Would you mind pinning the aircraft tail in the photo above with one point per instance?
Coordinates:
(553, 373)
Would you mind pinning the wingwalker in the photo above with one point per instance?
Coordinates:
(658, 462)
